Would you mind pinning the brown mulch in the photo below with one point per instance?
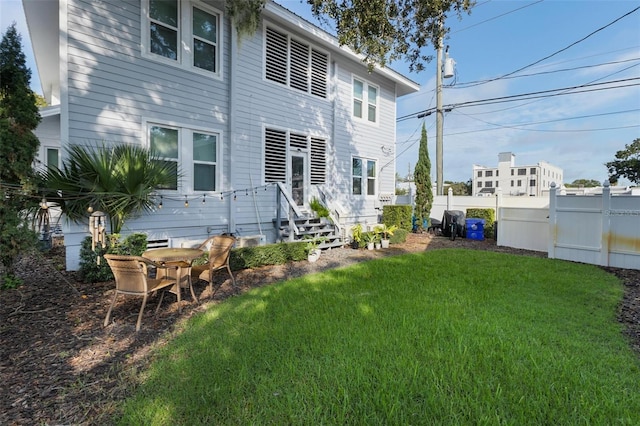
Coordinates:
(59, 365)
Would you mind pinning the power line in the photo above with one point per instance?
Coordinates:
(522, 96)
(561, 50)
(495, 17)
(470, 83)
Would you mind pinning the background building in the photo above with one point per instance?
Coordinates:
(515, 180)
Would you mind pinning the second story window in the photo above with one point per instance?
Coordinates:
(182, 33)
(365, 95)
(205, 40)
(164, 28)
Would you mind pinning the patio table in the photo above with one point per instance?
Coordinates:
(181, 259)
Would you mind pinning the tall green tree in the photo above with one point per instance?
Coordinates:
(459, 188)
(119, 180)
(382, 31)
(627, 163)
(424, 190)
(586, 183)
(19, 116)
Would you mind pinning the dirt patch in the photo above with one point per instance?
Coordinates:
(60, 365)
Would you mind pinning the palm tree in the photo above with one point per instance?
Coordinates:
(119, 180)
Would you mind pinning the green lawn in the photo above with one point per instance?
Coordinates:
(441, 337)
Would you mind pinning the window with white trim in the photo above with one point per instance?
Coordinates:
(193, 152)
(365, 94)
(363, 176)
(53, 157)
(295, 64)
(183, 33)
(277, 143)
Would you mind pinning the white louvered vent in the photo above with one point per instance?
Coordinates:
(299, 76)
(275, 155)
(296, 64)
(319, 72)
(297, 141)
(276, 56)
(318, 161)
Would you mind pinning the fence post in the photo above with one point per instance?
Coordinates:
(450, 199)
(496, 225)
(606, 224)
(553, 222)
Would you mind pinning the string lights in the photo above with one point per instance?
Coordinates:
(69, 195)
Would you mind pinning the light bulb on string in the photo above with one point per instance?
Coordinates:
(234, 196)
(160, 205)
(203, 198)
(246, 192)
(186, 201)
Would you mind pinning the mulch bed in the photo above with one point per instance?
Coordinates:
(59, 365)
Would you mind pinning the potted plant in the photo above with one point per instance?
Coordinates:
(385, 232)
(318, 209)
(369, 239)
(313, 252)
(356, 235)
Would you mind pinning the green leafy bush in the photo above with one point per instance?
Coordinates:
(271, 254)
(399, 236)
(398, 215)
(317, 207)
(93, 270)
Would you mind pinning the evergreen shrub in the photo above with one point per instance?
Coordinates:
(399, 215)
(270, 254)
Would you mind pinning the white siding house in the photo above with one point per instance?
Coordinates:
(285, 106)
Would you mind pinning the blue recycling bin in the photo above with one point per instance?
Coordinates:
(475, 229)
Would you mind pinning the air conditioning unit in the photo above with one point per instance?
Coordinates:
(250, 241)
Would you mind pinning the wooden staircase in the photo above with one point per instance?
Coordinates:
(310, 227)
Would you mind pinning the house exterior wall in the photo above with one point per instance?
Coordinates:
(112, 91)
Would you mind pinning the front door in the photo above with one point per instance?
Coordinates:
(298, 177)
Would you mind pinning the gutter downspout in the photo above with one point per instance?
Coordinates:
(232, 128)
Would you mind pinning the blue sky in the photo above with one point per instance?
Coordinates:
(578, 132)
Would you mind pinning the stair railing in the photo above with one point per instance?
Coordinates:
(334, 215)
(292, 211)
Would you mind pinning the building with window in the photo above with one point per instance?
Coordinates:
(515, 180)
(286, 109)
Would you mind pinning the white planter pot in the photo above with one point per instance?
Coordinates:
(385, 243)
(313, 255)
(378, 246)
(370, 246)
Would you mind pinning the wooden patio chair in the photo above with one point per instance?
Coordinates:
(219, 249)
(132, 277)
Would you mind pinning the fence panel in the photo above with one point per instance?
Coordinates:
(523, 228)
(601, 230)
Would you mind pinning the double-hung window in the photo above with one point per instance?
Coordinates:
(191, 154)
(204, 161)
(363, 176)
(365, 95)
(183, 33)
(164, 143)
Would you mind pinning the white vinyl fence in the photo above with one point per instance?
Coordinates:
(598, 229)
(601, 230)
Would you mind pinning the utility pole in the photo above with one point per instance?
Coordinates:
(439, 119)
